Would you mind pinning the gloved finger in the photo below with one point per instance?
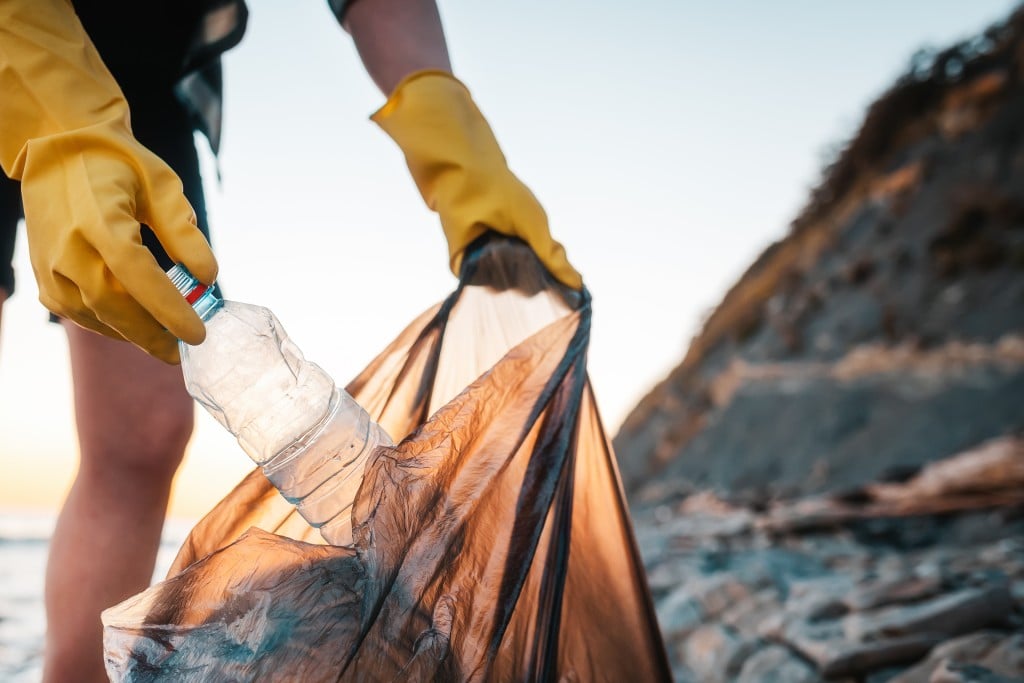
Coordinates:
(135, 272)
(166, 349)
(548, 250)
(90, 289)
(552, 255)
(98, 289)
(173, 221)
(67, 304)
(530, 223)
(114, 308)
(150, 301)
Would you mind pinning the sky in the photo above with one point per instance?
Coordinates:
(669, 141)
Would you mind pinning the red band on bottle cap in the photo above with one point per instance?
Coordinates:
(196, 292)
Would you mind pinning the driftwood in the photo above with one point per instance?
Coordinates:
(989, 476)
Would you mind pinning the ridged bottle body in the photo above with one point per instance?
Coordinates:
(310, 437)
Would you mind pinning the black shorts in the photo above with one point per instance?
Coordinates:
(162, 125)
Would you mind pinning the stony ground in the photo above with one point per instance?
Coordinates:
(931, 598)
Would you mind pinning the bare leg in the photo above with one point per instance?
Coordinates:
(134, 421)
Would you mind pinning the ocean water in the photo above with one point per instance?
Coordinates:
(24, 540)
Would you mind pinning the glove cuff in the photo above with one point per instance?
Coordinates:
(440, 77)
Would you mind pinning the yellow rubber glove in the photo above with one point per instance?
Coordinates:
(461, 172)
(87, 183)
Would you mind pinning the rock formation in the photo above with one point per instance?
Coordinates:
(830, 486)
(886, 330)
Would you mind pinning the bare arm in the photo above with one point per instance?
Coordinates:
(396, 38)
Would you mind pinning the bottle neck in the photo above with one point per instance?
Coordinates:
(199, 296)
(207, 304)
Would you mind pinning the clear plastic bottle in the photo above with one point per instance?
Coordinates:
(310, 437)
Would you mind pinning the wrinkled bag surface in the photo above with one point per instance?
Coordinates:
(492, 543)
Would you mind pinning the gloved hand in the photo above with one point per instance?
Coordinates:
(460, 170)
(87, 183)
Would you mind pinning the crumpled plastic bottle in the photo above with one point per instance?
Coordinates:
(309, 436)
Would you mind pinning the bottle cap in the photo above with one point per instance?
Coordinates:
(200, 296)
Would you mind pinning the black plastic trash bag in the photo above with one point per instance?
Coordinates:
(492, 543)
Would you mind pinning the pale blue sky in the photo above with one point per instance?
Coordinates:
(669, 141)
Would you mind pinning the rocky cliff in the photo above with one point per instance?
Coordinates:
(830, 486)
(886, 330)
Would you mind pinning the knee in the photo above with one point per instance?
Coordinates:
(146, 446)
